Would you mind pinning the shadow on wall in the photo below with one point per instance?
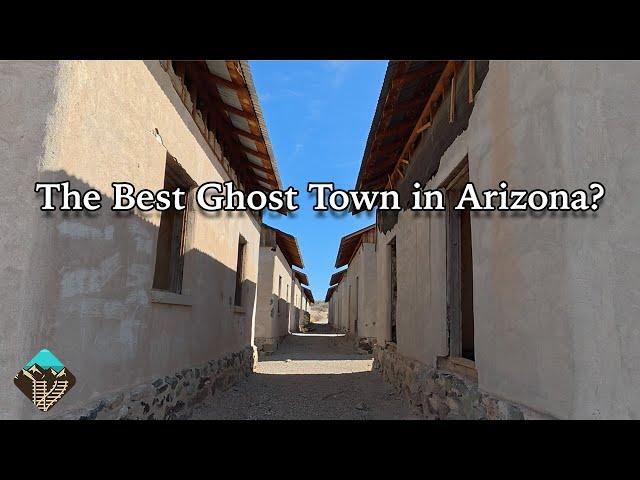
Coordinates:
(87, 298)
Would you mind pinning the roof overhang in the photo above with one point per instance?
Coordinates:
(329, 294)
(308, 294)
(223, 93)
(288, 244)
(302, 278)
(337, 277)
(405, 92)
(349, 244)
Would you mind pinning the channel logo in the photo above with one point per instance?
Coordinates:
(44, 380)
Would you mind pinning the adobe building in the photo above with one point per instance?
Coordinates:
(308, 299)
(152, 312)
(279, 253)
(332, 298)
(357, 285)
(498, 314)
(332, 310)
(299, 279)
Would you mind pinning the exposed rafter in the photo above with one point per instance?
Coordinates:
(447, 74)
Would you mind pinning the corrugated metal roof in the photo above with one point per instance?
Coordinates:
(219, 68)
(259, 173)
(239, 122)
(247, 142)
(253, 159)
(230, 97)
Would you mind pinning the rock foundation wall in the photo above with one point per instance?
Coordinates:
(173, 396)
(268, 344)
(443, 395)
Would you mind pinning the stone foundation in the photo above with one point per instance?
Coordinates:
(366, 344)
(443, 395)
(173, 396)
(268, 345)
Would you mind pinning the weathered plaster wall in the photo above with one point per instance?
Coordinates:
(345, 320)
(272, 307)
(79, 284)
(27, 99)
(294, 314)
(556, 296)
(421, 328)
(362, 271)
(265, 297)
(334, 309)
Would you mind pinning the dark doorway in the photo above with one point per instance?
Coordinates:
(242, 246)
(459, 270)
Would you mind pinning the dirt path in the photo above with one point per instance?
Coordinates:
(311, 376)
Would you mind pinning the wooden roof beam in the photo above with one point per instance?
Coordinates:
(425, 71)
(256, 153)
(382, 149)
(236, 111)
(225, 83)
(249, 135)
(438, 91)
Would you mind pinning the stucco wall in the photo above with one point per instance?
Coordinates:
(271, 323)
(294, 313)
(361, 271)
(79, 284)
(421, 286)
(27, 97)
(344, 303)
(556, 296)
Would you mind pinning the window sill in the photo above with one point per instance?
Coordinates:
(461, 366)
(170, 298)
(238, 310)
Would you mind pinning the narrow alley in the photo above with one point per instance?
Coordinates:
(317, 375)
(172, 226)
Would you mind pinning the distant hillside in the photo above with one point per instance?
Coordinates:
(319, 312)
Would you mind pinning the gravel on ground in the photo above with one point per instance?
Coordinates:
(316, 375)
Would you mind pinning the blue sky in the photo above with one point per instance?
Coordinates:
(318, 114)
